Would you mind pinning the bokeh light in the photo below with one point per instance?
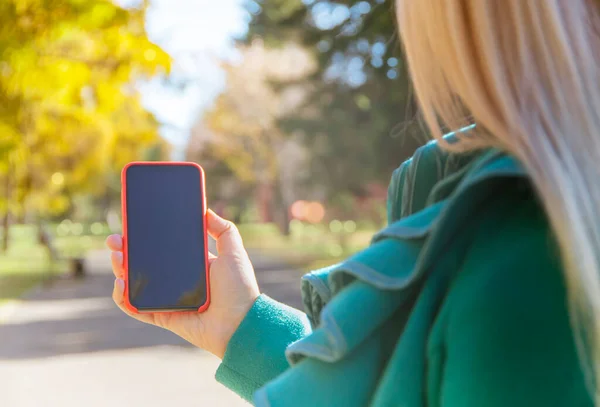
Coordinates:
(97, 228)
(58, 178)
(336, 226)
(298, 208)
(350, 226)
(314, 212)
(77, 229)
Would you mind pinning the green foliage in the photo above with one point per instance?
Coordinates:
(70, 116)
(359, 121)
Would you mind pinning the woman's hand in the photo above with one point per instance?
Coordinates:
(233, 291)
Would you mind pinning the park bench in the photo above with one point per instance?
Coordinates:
(77, 268)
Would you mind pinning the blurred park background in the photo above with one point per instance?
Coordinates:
(299, 111)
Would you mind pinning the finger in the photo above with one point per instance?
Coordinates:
(118, 291)
(217, 226)
(211, 258)
(225, 233)
(119, 299)
(116, 259)
(114, 243)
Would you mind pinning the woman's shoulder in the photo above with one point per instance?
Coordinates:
(430, 169)
(505, 317)
(487, 213)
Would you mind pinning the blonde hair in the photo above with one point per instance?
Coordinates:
(527, 72)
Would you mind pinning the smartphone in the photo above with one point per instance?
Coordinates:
(165, 242)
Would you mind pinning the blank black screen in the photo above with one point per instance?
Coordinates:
(165, 233)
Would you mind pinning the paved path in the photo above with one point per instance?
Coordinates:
(67, 345)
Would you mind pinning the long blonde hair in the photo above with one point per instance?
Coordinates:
(528, 73)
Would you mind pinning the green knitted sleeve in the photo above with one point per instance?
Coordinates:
(256, 352)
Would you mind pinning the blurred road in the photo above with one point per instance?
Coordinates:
(67, 345)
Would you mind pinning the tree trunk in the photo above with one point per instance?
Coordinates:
(6, 218)
(280, 208)
(45, 239)
(5, 231)
(263, 198)
(284, 224)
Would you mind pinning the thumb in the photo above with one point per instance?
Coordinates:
(225, 233)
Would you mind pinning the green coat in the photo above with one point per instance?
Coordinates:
(460, 301)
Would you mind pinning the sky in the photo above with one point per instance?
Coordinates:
(197, 34)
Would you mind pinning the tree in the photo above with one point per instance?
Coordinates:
(70, 115)
(246, 137)
(359, 120)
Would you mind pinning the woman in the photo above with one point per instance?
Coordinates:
(485, 288)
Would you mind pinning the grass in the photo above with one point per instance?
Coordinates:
(309, 246)
(27, 263)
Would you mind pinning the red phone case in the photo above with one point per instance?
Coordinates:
(128, 304)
